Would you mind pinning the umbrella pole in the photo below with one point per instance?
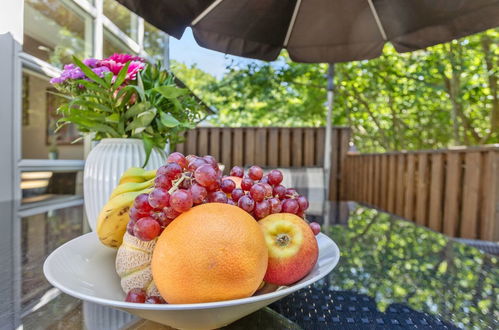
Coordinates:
(166, 51)
(329, 129)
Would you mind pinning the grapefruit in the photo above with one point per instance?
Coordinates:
(212, 252)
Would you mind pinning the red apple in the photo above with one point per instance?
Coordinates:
(293, 248)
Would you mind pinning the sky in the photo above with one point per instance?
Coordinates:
(187, 51)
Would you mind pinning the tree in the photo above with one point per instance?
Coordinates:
(445, 95)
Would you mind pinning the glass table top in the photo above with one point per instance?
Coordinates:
(392, 273)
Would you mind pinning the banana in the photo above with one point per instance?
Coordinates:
(137, 174)
(131, 186)
(113, 218)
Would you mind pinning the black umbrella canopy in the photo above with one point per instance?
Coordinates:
(318, 30)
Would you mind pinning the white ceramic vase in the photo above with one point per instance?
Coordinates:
(104, 166)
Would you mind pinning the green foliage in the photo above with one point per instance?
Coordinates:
(444, 95)
(151, 108)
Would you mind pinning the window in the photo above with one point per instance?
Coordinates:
(39, 117)
(113, 45)
(154, 42)
(51, 166)
(55, 30)
(124, 19)
(50, 185)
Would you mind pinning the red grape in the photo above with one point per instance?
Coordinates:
(215, 185)
(161, 218)
(275, 205)
(316, 228)
(129, 227)
(228, 186)
(262, 209)
(255, 172)
(162, 181)
(237, 171)
(141, 203)
(246, 184)
(170, 213)
(268, 189)
(194, 164)
(291, 192)
(275, 177)
(173, 171)
(186, 183)
(236, 194)
(159, 198)
(280, 191)
(178, 158)
(190, 158)
(205, 175)
(301, 214)
(265, 179)
(161, 170)
(257, 192)
(198, 193)
(146, 229)
(155, 300)
(136, 295)
(217, 197)
(246, 203)
(302, 202)
(231, 202)
(290, 206)
(211, 160)
(181, 200)
(135, 214)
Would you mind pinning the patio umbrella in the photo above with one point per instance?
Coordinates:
(315, 31)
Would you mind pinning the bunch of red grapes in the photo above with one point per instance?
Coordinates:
(186, 181)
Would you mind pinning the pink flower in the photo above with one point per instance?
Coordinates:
(133, 69)
(115, 66)
(124, 58)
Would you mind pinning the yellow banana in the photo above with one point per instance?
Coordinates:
(131, 186)
(113, 218)
(137, 174)
(148, 175)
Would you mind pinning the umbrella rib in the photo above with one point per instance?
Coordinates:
(206, 12)
(292, 23)
(378, 21)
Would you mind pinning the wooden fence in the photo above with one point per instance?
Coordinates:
(453, 191)
(270, 147)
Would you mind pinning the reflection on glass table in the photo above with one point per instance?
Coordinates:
(391, 274)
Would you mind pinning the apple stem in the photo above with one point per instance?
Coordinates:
(282, 240)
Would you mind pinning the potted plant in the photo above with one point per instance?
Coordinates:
(132, 107)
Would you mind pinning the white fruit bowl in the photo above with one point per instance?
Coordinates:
(84, 268)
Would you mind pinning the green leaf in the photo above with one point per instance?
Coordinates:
(148, 145)
(114, 118)
(121, 76)
(137, 109)
(90, 105)
(142, 120)
(171, 92)
(168, 120)
(89, 73)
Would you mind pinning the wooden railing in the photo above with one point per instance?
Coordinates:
(454, 191)
(271, 147)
